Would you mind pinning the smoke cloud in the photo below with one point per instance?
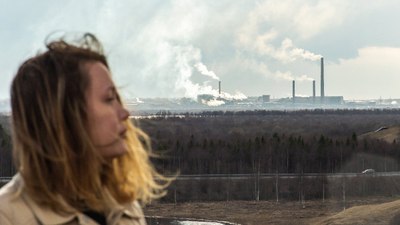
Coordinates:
(304, 78)
(237, 96)
(203, 70)
(293, 21)
(219, 99)
(289, 76)
(213, 102)
(285, 53)
(289, 52)
(186, 60)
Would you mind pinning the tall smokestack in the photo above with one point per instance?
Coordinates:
(294, 90)
(322, 79)
(313, 90)
(219, 87)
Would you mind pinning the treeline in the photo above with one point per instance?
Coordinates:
(331, 123)
(271, 153)
(278, 188)
(301, 142)
(263, 112)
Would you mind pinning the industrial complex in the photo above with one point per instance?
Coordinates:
(208, 102)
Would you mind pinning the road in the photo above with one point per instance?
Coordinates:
(268, 176)
(284, 175)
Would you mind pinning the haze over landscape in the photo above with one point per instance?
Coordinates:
(183, 48)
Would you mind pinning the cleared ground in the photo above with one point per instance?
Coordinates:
(380, 210)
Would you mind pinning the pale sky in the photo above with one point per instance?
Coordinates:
(181, 48)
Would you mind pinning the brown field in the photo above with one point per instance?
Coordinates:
(377, 210)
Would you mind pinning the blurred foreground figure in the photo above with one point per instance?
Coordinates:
(79, 158)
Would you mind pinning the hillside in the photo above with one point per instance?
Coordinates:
(385, 213)
(388, 134)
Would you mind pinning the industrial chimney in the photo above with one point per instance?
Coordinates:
(219, 88)
(313, 89)
(294, 90)
(322, 80)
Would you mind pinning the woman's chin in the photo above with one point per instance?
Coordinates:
(115, 151)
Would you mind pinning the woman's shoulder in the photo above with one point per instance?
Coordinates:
(10, 193)
(133, 208)
(130, 212)
(13, 209)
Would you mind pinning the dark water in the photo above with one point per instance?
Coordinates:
(179, 221)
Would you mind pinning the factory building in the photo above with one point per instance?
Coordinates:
(322, 99)
(266, 99)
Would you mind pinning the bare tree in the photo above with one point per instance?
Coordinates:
(277, 186)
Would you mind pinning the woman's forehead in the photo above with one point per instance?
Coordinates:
(99, 76)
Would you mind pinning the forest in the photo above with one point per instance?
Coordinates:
(258, 142)
(308, 141)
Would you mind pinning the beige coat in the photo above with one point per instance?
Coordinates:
(16, 207)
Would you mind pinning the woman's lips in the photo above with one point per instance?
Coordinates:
(123, 133)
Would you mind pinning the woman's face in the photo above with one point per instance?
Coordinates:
(106, 115)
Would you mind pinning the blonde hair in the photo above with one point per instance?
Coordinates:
(51, 146)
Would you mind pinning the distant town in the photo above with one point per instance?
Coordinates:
(140, 106)
(210, 103)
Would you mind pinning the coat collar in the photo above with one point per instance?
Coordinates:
(45, 215)
(48, 217)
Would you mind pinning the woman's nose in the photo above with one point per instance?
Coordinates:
(123, 114)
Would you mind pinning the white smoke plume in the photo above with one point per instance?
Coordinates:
(203, 70)
(289, 52)
(285, 53)
(213, 102)
(289, 76)
(292, 21)
(304, 78)
(220, 99)
(284, 75)
(187, 59)
(237, 96)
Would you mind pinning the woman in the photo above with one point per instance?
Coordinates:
(79, 158)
